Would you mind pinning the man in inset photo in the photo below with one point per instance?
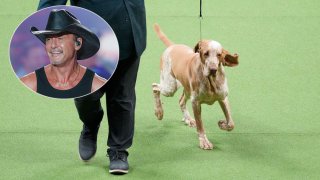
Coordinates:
(66, 41)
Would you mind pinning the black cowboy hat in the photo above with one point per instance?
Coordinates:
(62, 21)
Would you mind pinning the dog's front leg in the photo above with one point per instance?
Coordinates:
(186, 115)
(227, 124)
(204, 143)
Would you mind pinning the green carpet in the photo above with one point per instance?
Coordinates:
(274, 96)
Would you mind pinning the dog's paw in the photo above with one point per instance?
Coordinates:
(226, 126)
(189, 121)
(204, 143)
(159, 113)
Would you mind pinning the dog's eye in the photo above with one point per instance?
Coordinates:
(206, 54)
(219, 54)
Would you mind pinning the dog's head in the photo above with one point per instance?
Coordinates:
(212, 56)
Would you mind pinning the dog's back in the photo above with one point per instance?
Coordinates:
(177, 55)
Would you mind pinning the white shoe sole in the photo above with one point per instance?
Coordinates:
(118, 171)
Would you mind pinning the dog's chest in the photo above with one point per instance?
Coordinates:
(210, 92)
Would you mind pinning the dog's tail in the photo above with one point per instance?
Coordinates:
(162, 36)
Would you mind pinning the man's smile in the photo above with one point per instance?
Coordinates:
(56, 53)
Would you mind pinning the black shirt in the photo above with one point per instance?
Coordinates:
(82, 88)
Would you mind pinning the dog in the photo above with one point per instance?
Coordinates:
(201, 73)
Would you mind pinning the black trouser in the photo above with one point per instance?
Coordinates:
(121, 101)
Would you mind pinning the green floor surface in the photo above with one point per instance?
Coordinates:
(274, 96)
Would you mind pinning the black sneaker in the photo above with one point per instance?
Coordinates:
(88, 143)
(118, 162)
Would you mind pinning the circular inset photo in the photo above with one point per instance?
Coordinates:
(64, 52)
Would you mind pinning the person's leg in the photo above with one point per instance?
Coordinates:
(121, 99)
(90, 113)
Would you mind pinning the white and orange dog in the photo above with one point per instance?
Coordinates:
(201, 73)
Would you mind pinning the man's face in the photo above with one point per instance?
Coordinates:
(61, 48)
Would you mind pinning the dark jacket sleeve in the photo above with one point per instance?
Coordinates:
(137, 13)
(48, 3)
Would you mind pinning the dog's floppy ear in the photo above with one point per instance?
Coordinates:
(229, 59)
(196, 49)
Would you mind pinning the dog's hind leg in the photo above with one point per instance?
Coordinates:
(187, 119)
(167, 87)
(164, 90)
(168, 84)
(158, 110)
(227, 124)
